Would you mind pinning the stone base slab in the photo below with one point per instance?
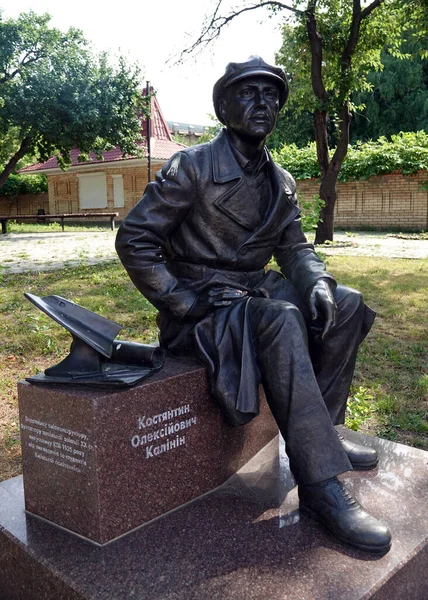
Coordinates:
(244, 541)
(102, 462)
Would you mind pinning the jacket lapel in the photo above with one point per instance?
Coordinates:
(282, 210)
(233, 200)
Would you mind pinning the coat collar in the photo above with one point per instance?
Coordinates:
(233, 204)
(225, 166)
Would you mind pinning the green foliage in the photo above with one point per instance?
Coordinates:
(359, 408)
(406, 152)
(24, 184)
(398, 99)
(301, 162)
(310, 212)
(55, 94)
(14, 227)
(333, 17)
(292, 128)
(211, 131)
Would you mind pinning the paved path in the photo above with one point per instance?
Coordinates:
(22, 252)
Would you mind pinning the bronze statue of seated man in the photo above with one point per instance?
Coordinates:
(197, 245)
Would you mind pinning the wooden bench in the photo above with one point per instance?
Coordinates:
(87, 215)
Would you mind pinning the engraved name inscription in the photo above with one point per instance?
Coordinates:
(163, 432)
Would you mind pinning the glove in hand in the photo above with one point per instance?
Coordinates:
(323, 308)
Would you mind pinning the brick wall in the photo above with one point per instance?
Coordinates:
(24, 204)
(392, 200)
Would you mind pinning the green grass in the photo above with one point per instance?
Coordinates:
(392, 365)
(55, 227)
(105, 289)
(389, 396)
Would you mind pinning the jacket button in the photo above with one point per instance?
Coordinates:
(244, 251)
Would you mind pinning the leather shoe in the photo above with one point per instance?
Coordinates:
(360, 457)
(330, 503)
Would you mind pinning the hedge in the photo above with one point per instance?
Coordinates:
(406, 153)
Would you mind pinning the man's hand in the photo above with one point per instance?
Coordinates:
(323, 307)
(216, 297)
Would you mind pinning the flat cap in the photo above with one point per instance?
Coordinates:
(254, 66)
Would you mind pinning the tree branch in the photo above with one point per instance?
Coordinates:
(217, 22)
(366, 11)
(24, 64)
(354, 33)
(315, 41)
(22, 151)
(342, 146)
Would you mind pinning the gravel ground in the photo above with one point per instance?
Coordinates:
(22, 252)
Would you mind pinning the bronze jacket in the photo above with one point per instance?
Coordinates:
(197, 212)
(194, 228)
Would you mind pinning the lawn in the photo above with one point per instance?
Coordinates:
(390, 391)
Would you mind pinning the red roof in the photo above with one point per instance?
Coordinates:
(162, 146)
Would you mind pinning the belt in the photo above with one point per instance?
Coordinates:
(198, 271)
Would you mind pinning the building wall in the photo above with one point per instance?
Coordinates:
(63, 189)
(24, 204)
(392, 200)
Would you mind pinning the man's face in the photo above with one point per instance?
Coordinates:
(250, 107)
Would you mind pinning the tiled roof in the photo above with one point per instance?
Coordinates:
(162, 146)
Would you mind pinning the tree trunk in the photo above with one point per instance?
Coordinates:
(329, 175)
(23, 149)
(328, 193)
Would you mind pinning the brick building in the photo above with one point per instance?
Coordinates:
(114, 184)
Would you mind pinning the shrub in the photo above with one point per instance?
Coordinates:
(406, 153)
(24, 184)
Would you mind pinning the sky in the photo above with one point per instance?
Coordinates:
(154, 31)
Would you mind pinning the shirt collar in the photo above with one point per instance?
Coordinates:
(245, 163)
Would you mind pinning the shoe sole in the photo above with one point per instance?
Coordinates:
(364, 466)
(338, 536)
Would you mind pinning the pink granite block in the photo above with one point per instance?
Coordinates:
(243, 541)
(101, 463)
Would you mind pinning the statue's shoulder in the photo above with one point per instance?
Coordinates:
(286, 178)
(194, 154)
(186, 160)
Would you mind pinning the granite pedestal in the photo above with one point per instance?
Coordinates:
(101, 463)
(244, 541)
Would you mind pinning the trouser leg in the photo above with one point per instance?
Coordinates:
(334, 358)
(280, 339)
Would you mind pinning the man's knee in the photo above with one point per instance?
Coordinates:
(349, 301)
(266, 313)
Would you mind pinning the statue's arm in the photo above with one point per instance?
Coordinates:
(297, 258)
(143, 236)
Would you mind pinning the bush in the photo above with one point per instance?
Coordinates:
(310, 212)
(24, 184)
(406, 153)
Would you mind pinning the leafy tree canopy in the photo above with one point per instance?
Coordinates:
(55, 95)
(398, 99)
(330, 47)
